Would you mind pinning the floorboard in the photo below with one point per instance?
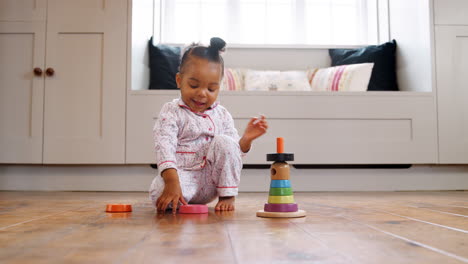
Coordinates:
(340, 227)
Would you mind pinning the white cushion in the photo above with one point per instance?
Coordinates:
(276, 81)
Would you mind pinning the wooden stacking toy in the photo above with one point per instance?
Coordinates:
(281, 199)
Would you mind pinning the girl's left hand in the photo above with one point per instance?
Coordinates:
(256, 127)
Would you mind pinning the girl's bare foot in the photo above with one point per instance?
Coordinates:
(225, 203)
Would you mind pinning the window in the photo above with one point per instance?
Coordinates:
(268, 22)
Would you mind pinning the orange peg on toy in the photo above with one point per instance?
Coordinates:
(279, 145)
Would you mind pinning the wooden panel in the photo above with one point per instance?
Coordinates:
(340, 227)
(394, 221)
(320, 128)
(397, 239)
(348, 237)
(452, 69)
(74, 94)
(85, 99)
(450, 12)
(22, 10)
(22, 46)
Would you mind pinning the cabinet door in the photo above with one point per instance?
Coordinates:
(84, 113)
(22, 47)
(22, 10)
(452, 92)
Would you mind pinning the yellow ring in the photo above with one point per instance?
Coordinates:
(281, 199)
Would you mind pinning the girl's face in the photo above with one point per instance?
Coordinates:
(199, 83)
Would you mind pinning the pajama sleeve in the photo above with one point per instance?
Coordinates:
(165, 138)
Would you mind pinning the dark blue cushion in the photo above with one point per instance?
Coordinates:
(164, 63)
(383, 76)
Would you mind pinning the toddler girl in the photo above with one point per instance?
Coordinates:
(198, 149)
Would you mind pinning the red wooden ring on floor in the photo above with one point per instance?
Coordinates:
(118, 208)
(291, 207)
(193, 209)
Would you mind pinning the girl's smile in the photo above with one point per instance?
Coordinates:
(199, 103)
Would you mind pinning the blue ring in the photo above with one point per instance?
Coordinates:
(280, 184)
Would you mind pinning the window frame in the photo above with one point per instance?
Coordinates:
(382, 33)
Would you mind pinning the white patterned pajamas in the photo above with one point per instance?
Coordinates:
(202, 147)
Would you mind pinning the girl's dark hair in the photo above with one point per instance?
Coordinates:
(210, 53)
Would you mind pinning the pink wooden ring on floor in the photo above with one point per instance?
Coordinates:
(270, 207)
(193, 209)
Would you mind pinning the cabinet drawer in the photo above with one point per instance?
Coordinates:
(320, 128)
(450, 12)
(338, 140)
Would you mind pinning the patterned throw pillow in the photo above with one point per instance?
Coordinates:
(276, 81)
(352, 77)
(233, 80)
(261, 80)
(293, 81)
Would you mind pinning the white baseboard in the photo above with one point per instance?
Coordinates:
(139, 177)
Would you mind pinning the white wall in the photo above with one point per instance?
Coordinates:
(141, 31)
(411, 26)
(276, 58)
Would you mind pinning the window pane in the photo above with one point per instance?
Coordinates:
(323, 22)
(252, 21)
(280, 21)
(188, 21)
(336, 21)
(213, 19)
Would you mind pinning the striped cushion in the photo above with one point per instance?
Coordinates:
(352, 77)
(233, 80)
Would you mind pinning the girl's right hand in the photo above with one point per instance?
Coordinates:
(172, 192)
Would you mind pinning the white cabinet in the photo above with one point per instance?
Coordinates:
(22, 48)
(81, 101)
(452, 92)
(451, 49)
(84, 107)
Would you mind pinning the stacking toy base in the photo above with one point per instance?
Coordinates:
(299, 213)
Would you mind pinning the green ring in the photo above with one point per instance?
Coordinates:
(281, 191)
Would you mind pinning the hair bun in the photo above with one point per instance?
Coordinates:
(217, 44)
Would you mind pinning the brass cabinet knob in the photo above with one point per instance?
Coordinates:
(50, 72)
(38, 72)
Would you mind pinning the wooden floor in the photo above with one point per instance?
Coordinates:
(356, 227)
